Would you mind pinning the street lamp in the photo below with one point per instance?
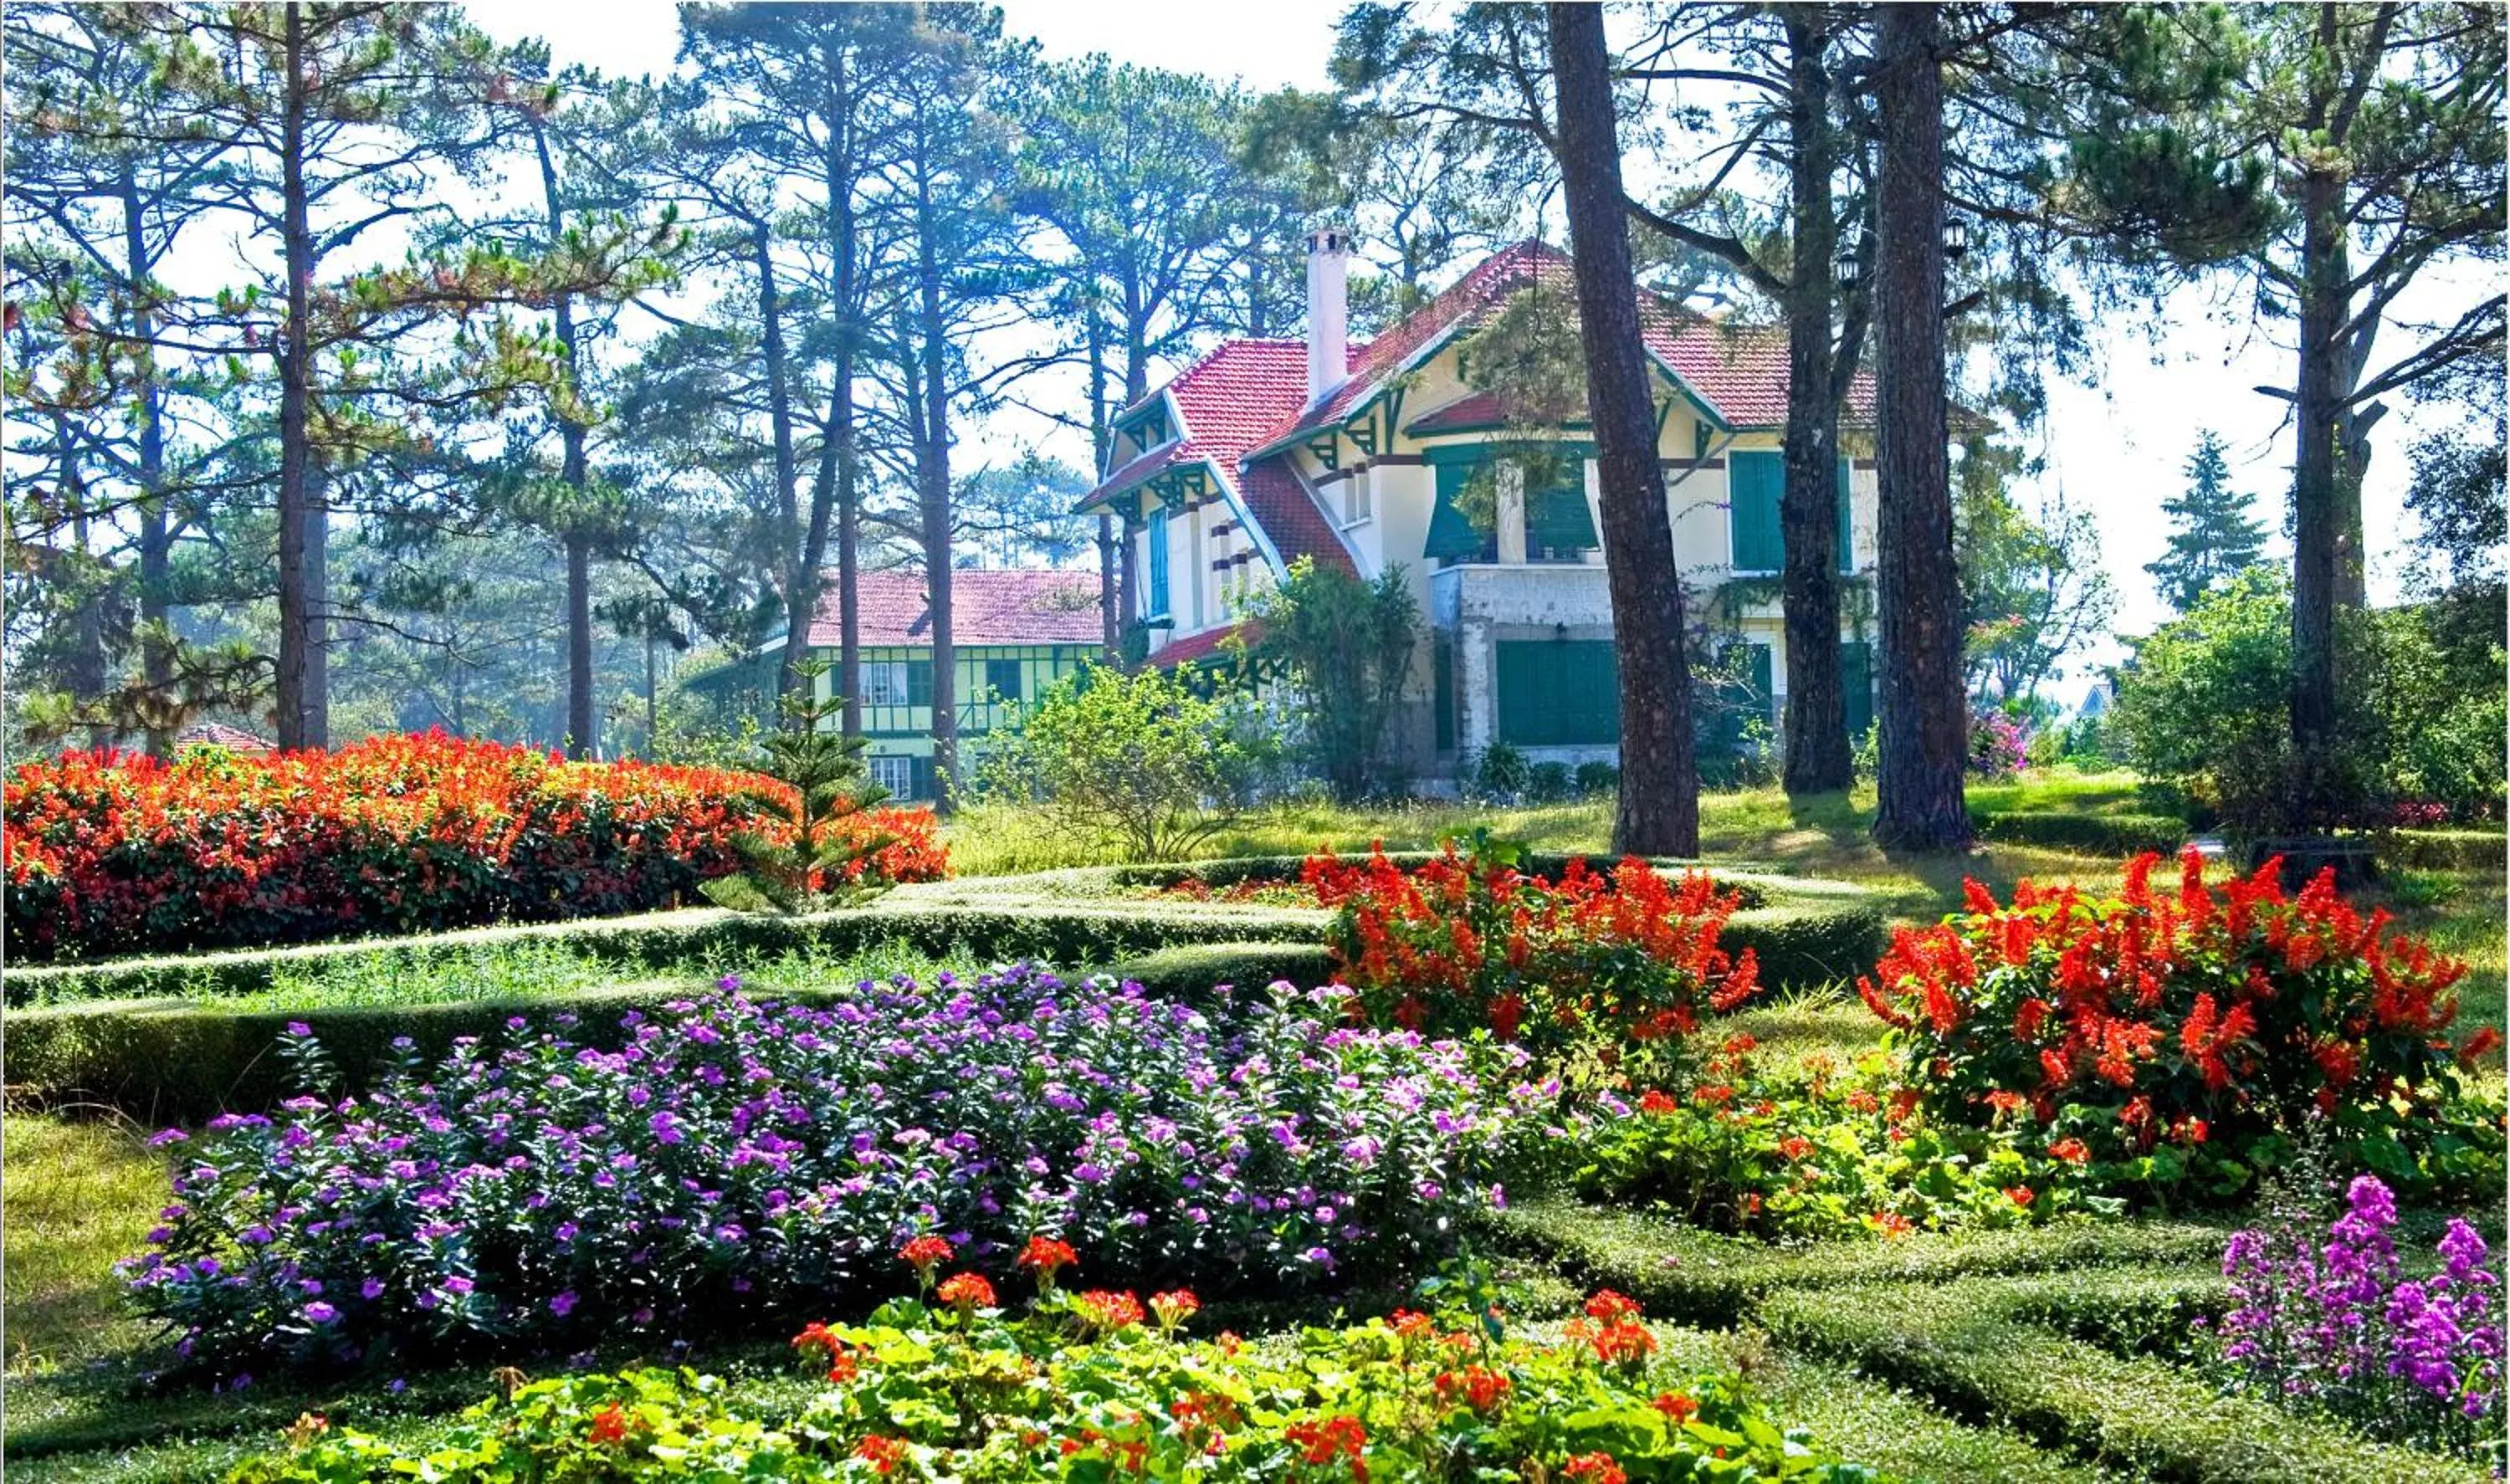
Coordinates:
(1955, 236)
(1845, 269)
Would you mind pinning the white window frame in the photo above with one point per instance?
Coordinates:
(893, 772)
(884, 682)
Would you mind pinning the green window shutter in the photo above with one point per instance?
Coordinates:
(1764, 691)
(1557, 518)
(1159, 542)
(1003, 678)
(920, 779)
(1856, 683)
(1451, 534)
(1846, 516)
(919, 682)
(1754, 482)
(1558, 694)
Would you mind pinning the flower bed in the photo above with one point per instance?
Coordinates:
(738, 1160)
(2328, 1319)
(2183, 1039)
(1092, 1387)
(1469, 942)
(118, 853)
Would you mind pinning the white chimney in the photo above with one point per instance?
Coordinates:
(1328, 312)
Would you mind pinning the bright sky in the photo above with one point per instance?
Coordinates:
(2115, 448)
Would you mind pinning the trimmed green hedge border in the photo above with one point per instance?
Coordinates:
(2113, 835)
(1693, 1276)
(2450, 850)
(1975, 1348)
(998, 928)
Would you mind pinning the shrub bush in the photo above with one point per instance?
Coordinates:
(734, 1159)
(1136, 761)
(2204, 703)
(2326, 1318)
(2091, 834)
(1595, 780)
(2184, 1037)
(1092, 1386)
(1816, 1149)
(119, 853)
(1463, 942)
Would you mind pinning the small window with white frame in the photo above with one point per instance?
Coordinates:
(894, 775)
(884, 683)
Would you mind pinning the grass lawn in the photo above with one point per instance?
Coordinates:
(82, 1194)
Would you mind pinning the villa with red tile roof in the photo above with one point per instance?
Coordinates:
(1364, 458)
(1014, 632)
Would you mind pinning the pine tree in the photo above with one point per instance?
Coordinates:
(2212, 537)
(816, 869)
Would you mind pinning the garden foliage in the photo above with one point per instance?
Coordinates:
(822, 855)
(1468, 941)
(736, 1161)
(2329, 1319)
(113, 853)
(1136, 762)
(2185, 1034)
(1098, 1385)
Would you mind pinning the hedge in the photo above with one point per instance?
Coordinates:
(1681, 1273)
(2450, 850)
(1075, 933)
(2093, 834)
(1967, 1346)
(1190, 970)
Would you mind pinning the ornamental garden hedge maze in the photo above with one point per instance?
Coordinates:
(2062, 1203)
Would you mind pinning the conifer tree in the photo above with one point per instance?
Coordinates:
(817, 868)
(2212, 536)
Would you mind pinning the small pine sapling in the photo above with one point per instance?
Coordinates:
(819, 866)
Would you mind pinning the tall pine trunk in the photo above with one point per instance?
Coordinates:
(156, 530)
(1818, 758)
(2317, 515)
(780, 422)
(933, 479)
(1658, 813)
(1924, 708)
(304, 593)
(582, 729)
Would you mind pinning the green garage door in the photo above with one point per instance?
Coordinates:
(1558, 693)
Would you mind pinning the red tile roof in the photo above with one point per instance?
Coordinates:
(1202, 645)
(1477, 409)
(218, 734)
(1158, 461)
(987, 606)
(1288, 515)
(1740, 369)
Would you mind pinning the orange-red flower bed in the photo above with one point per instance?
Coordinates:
(111, 852)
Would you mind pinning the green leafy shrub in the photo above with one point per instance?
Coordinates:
(1816, 1149)
(1500, 774)
(1595, 780)
(2205, 704)
(1137, 760)
(1348, 647)
(2179, 1040)
(1099, 1385)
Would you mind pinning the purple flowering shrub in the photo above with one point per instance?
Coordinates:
(2000, 746)
(2336, 1324)
(738, 1160)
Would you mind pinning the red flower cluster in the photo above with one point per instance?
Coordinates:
(1594, 1469)
(966, 1290)
(923, 1254)
(1463, 942)
(1477, 1386)
(2170, 1014)
(1108, 1312)
(1614, 1330)
(1047, 1256)
(120, 852)
(1334, 1437)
